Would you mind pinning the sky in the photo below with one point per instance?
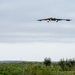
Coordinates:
(22, 37)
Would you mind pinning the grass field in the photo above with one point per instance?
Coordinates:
(32, 68)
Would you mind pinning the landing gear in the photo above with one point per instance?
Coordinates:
(48, 21)
(56, 20)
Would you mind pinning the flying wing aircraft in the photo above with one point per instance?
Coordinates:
(54, 19)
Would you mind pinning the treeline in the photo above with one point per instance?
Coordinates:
(66, 65)
(47, 67)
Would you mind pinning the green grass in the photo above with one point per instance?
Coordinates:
(32, 69)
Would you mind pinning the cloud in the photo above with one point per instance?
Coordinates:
(19, 16)
(22, 37)
(36, 37)
(36, 51)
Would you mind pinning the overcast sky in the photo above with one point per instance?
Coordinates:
(18, 27)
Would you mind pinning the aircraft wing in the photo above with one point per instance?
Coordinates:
(64, 19)
(42, 19)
